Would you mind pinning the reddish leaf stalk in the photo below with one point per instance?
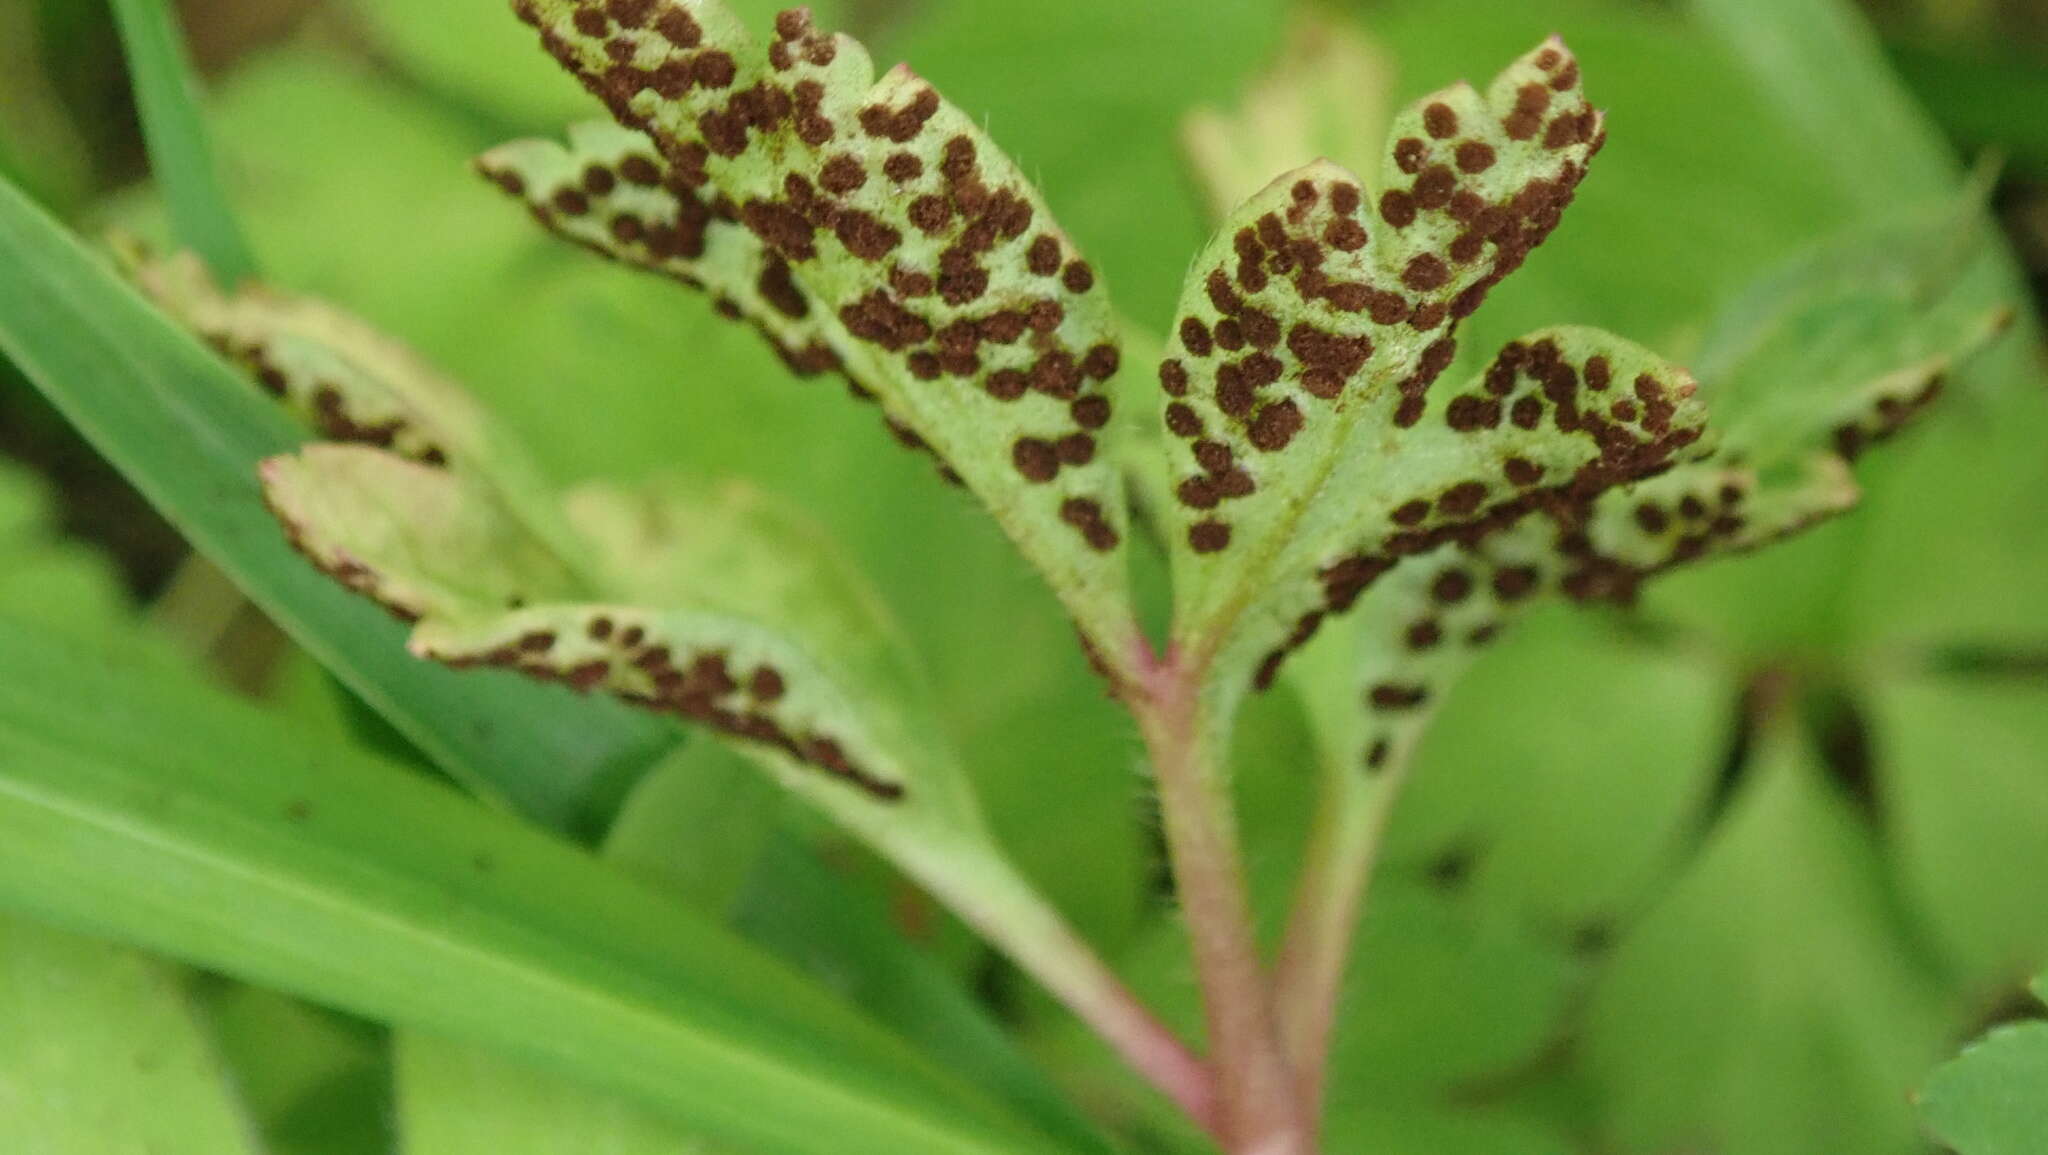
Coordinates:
(1259, 1108)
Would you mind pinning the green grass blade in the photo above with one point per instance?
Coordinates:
(167, 97)
(189, 432)
(176, 818)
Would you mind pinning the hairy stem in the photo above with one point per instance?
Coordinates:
(1328, 903)
(1259, 1110)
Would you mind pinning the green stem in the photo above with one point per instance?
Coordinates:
(1259, 1110)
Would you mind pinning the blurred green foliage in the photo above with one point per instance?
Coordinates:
(1729, 873)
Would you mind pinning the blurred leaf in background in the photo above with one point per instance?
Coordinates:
(1994, 1099)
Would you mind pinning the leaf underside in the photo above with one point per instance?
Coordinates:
(713, 607)
(1311, 453)
(1317, 464)
(863, 225)
(1783, 468)
(330, 371)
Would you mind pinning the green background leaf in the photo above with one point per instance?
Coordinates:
(102, 1053)
(1994, 1099)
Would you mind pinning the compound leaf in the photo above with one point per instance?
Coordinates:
(933, 272)
(1348, 302)
(1834, 352)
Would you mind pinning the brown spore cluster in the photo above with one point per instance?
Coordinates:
(970, 279)
(334, 411)
(670, 229)
(1347, 275)
(1537, 378)
(697, 684)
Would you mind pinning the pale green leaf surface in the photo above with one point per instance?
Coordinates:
(472, 925)
(189, 435)
(101, 1053)
(416, 539)
(739, 550)
(516, 316)
(333, 373)
(344, 380)
(716, 607)
(1770, 1001)
(1994, 1099)
(1362, 356)
(924, 275)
